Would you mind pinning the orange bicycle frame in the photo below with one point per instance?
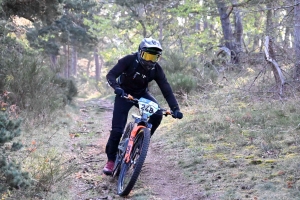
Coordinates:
(133, 133)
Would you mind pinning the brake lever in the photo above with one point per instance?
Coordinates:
(130, 97)
(167, 113)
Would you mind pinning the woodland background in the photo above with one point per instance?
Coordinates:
(242, 55)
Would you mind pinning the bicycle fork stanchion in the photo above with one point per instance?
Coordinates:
(130, 143)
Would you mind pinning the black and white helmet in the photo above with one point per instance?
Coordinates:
(149, 52)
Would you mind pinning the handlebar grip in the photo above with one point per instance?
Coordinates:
(179, 116)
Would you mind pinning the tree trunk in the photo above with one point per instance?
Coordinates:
(238, 28)
(53, 62)
(205, 23)
(227, 31)
(205, 19)
(161, 25)
(270, 56)
(88, 67)
(269, 22)
(66, 70)
(74, 61)
(97, 65)
(297, 38)
(287, 34)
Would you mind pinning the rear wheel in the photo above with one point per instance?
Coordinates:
(130, 171)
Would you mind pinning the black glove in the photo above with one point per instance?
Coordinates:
(176, 113)
(119, 91)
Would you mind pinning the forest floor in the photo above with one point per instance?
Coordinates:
(160, 177)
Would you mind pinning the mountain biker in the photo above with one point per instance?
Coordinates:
(131, 75)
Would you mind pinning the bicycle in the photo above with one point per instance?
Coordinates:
(134, 144)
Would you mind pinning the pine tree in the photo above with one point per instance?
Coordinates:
(11, 175)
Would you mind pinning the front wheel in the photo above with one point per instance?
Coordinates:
(130, 171)
(121, 148)
(128, 130)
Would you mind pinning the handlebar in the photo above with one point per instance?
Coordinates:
(135, 100)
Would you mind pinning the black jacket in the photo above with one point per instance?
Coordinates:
(134, 79)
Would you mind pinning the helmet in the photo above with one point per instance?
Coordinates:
(149, 52)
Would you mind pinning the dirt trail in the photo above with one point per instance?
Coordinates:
(159, 179)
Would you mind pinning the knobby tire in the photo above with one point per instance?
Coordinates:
(126, 180)
(128, 129)
(125, 135)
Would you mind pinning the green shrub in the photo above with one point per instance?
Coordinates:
(68, 87)
(34, 86)
(187, 74)
(182, 83)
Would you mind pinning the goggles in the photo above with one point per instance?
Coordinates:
(149, 57)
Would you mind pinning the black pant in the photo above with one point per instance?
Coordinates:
(120, 114)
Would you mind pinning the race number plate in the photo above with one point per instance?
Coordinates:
(147, 107)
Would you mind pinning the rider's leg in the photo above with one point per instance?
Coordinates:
(120, 113)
